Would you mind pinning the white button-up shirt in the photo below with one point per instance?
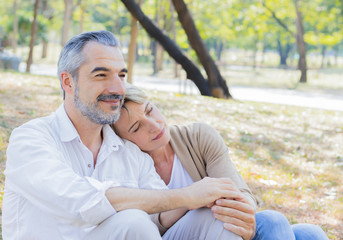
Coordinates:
(52, 189)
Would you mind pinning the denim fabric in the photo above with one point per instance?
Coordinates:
(272, 225)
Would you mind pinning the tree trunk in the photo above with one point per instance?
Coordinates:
(323, 56)
(15, 27)
(158, 60)
(132, 48)
(283, 53)
(336, 55)
(217, 83)
(301, 44)
(44, 48)
(68, 10)
(33, 36)
(173, 30)
(82, 19)
(219, 49)
(255, 53)
(44, 39)
(158, 49)
(193, 73)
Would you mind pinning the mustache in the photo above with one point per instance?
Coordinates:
(103, 97)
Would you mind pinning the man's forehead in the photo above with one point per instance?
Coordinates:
(94, 51)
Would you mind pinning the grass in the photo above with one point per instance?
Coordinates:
(291, 157)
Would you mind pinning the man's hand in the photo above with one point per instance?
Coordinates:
(206, 191)
(237, 214)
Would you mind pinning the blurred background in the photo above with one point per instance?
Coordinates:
(285, 44)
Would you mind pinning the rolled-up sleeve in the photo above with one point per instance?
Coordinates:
(36, 171)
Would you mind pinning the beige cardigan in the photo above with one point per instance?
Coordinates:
(203, 153)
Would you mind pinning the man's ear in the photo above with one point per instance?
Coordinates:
(67, 82)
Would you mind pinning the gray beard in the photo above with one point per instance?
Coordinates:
(95, 114)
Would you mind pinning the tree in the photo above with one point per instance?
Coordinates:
(217, 83)
(193, 73)
(132, 46)
(69, 7)
(302, 65)
(47, 13)
(324, 21)
(299, 35)
(15, 26)
(33, 36)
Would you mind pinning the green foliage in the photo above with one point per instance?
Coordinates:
(242, 24)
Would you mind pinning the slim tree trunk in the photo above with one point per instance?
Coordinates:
(193, 73)
(82, 19)
(323, 57)
(173, 30)
(220, 46)
(44, 48)
(283, 53)
(33, 36)
(302, 65)
(15, 27)
(216, 81)
(255, 53)
(336, 55)
(132, 47)
(44, 38)
(158, 49)
(68, 10)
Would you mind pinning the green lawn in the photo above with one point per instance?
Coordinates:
(291, 157)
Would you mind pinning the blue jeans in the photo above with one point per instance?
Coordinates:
(272, 225)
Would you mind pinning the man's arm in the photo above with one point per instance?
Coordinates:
(197, 195)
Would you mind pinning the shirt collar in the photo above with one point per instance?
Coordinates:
(110, 138)
(66, 128)
(68, 132)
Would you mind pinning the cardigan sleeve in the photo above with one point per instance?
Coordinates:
(203, 152)
(218, 163)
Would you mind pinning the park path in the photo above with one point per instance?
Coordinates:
(321, 100)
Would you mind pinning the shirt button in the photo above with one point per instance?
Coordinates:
(89, 165)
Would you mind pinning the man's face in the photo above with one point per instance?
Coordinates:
(100, 86)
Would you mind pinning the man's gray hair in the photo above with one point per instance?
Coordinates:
(71, 57)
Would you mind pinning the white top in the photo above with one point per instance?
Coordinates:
(179, 176)
(52, 190)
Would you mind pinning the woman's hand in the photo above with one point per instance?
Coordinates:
(237, 214)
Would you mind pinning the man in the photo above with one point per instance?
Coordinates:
(68, 176)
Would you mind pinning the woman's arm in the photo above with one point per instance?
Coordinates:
(237, 213)
(218, 163)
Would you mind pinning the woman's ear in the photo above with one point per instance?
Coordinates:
(67, 82)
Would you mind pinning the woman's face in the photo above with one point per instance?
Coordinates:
(145, 126)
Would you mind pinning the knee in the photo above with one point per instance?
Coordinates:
(271, 217)
(136, 224)
(303, 231)
(272, 225)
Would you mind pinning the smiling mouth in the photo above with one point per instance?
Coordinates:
(159, 135)
(112, 101)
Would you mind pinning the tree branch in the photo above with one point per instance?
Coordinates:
(278, 20)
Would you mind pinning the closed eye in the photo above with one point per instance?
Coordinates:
(149, 110)
(137, 128)
(101, 75)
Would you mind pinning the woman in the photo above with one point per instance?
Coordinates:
(183, 154)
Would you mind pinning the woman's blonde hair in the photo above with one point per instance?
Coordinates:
(134, 94)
